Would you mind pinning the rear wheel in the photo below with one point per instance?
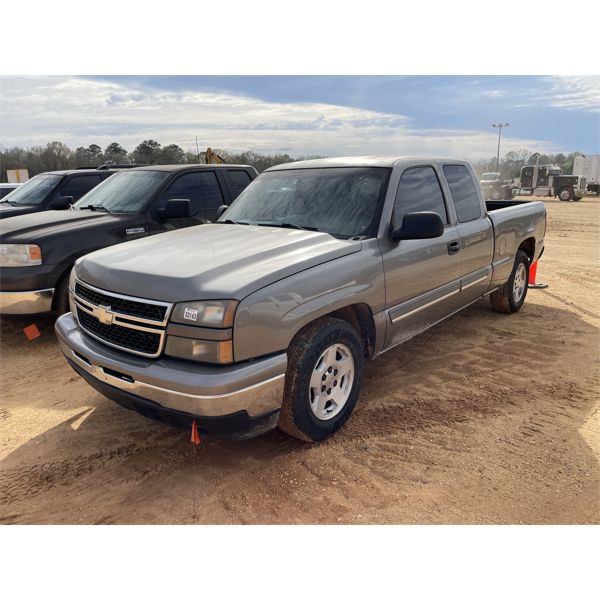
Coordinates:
(323, 380)
(565, 194)
(511, 296)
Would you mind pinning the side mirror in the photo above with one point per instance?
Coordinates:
(418, 226)
(220, 211)
(61, 203)
(178, 208)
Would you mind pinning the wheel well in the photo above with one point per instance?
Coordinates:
(528, 246)
(59, 282)
(361, 318)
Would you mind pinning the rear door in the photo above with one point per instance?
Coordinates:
(238, 180)
(475, 231)
(421, 276)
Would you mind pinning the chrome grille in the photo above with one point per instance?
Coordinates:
(131, 324)
(134, 308)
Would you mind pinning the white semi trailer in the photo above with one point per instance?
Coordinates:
(588, 166)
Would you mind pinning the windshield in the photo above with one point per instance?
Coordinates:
(125, 192)
(34, 191)
(490, 176)
(344, 202)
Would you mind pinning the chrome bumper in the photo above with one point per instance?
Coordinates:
(203, 390)
(26, 303)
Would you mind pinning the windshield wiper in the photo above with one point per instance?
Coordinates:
(230, 222)
(98, 207)
(288, 226)
(11, 202)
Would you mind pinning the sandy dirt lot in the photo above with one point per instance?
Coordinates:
(487, 418)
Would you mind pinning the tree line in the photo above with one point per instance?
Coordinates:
(55, 156)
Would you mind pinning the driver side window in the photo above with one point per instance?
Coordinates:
(419, 190)
(200, 188)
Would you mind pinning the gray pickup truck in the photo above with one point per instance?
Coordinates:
(266, 318)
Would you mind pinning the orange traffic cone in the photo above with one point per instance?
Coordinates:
(195, 434)
(532, 273)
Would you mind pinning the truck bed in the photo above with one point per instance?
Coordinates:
(493, 205)
(514, 222)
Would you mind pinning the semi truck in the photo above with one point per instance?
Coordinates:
(547, 180)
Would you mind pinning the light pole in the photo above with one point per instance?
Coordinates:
(499, 126)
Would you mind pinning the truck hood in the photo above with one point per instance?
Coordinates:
(214, 261)
(35, 227)
(8, 210)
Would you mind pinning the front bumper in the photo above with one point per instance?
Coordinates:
(241, 399)
(26, 303)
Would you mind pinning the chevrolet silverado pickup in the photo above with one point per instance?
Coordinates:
(266, 317)
(37, 251)
(54, 190)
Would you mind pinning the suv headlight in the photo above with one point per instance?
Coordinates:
(20, 255)
(205, 313)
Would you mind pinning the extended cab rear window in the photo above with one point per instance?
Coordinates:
(238, 181)
(464, 193)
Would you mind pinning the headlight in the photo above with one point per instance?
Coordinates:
(205, 313)
(20, 255)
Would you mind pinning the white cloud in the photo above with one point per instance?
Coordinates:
(35, 110)
(575, 92)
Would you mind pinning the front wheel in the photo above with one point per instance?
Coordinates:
(511, 296)
(323, 380)
(496, 195)
(61, 295)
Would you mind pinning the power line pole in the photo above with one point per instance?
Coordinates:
(197, 150)
(499, 126)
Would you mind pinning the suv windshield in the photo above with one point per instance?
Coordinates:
(34, 191)
(342, 201)
(125, 192)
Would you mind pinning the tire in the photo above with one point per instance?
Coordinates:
(565, 194)
(496, 195)
(61, 295)
(507, 299)
(309, 412)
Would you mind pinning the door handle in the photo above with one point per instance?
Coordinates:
(453, 247)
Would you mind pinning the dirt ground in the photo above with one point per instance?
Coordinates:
(486, 418)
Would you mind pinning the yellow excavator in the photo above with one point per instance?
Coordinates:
(212, 158)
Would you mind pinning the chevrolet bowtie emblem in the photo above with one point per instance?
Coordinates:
(104, 314)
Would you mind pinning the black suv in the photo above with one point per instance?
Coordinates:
(37, 251)
(54, 190)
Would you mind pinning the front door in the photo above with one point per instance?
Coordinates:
(421, 276)
(203, 191)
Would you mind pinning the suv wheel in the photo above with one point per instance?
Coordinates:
(323, 380)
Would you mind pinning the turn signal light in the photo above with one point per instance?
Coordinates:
(35, 253)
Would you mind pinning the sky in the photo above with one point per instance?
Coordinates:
(307, 115)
